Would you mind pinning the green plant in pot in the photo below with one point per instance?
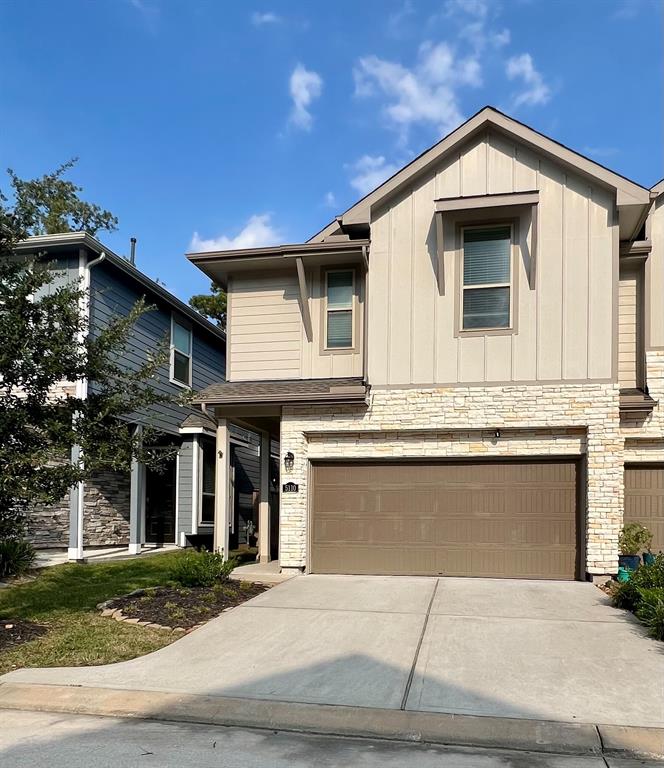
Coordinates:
(634, 538)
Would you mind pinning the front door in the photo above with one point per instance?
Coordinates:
(160, 504)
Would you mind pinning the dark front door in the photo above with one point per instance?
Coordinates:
(160, 504)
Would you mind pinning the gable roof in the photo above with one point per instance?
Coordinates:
(658, 188)
(64, 240)
(628, 192)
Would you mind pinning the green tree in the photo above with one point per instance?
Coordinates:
(211, 305)
(50, 205)
(45, 342)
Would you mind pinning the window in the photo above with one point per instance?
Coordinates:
(339, 321)
(207, 481)
(487, 278)
(180, 353)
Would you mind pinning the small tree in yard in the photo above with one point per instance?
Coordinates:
(45, 342)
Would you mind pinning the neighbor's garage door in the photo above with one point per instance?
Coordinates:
(644, 500)
(512, 519)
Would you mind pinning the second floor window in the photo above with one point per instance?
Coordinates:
(180, 353)
(339, 309)
(487, 278)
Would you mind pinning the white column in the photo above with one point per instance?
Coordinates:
(221, 499)
(264, 504)
(136, 497)
(76, 510)
(195, 483)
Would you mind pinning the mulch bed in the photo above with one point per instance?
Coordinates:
(16, 631)
(184, 607)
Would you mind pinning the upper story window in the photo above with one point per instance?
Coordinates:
(487, 278)
(340, 289)
(180, 353)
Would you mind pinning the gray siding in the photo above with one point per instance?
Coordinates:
(112, 294)
(185, 486)
(65, 270)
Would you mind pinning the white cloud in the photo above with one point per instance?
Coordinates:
(257, 232)
(427, 93)
(305, 86)
(260, 18)
(370, 171)
(330, 200)
(473, 18)
(536, 91)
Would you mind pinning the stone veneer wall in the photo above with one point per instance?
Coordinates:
(106, 516)
(535, 420)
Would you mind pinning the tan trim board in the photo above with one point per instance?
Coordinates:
(304, 299)
(488, 384)
(479, 202)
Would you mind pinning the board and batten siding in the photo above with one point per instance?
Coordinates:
(655, 277)
(564, 327)
(113, 294)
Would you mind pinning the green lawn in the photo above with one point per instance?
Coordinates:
(64, 599)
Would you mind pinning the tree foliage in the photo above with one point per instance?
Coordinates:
(50, 205)
(211, 305)
(49, 352)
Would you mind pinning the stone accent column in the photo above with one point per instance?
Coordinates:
(293, 506)
(605, 494)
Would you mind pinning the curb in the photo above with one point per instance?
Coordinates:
(395, 725)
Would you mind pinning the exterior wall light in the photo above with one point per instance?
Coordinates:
(289, 461)
(496, 434)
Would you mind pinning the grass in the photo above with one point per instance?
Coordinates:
(64, 598)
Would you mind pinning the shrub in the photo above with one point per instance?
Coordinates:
(628, 594)
(16, 557)
(201, 569)
(634, 538)
(650, 611)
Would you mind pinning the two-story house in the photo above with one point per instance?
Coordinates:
(146, 507)
(464, 369)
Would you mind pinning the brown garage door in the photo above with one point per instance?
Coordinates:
(644, 500)
(511, 519)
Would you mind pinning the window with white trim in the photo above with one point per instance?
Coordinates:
(339, 291)
(180, 353)
(487, 278)
(208, 449)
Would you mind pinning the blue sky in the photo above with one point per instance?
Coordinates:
(239, 123)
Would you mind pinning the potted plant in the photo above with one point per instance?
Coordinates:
(633, 539)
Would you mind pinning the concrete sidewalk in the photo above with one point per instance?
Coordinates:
(408, 649)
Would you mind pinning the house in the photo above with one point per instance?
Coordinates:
(146, 507)
(464, 370)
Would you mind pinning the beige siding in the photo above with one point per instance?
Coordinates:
(655, 277)
(265, 325)
(560, 331)
(627, 329)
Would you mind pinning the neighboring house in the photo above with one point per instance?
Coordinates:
(464, 369)
(144, 506)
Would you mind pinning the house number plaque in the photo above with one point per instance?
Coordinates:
(290, 488)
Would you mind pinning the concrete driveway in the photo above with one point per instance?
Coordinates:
(524, 649)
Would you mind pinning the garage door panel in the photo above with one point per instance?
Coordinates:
(484, 519)
(644, 500)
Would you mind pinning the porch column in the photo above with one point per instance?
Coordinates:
(264, 504)
(221, 495)
(136, 503)
(76, 509)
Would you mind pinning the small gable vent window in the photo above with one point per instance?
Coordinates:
(180, 353)
(340, 291)
(487, 278)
